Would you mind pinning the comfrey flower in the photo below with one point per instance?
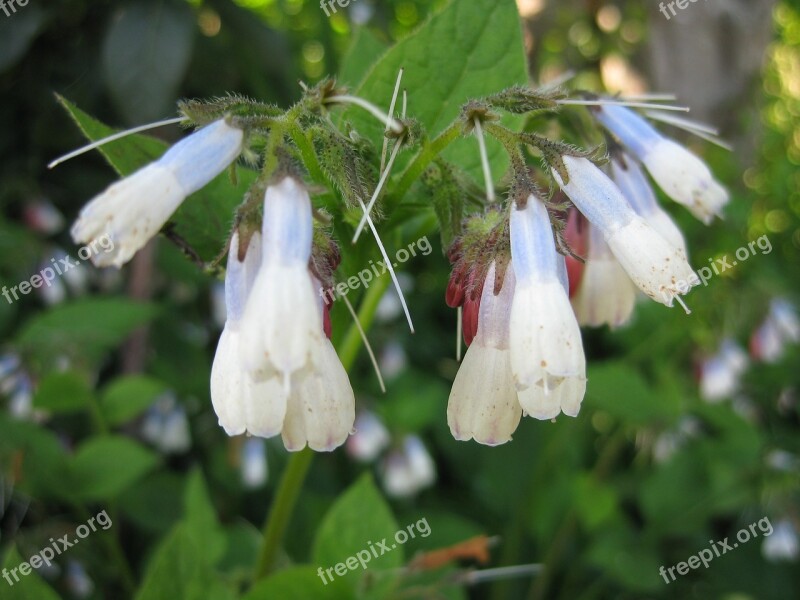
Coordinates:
(253, 463)
(166, 426)
(547, 359)
(682, 175)
(780, 328)
(241, 403)
(720, 374)
(369, 439)
(275, 371)
(134, 209)
(483, 403)
(657, 267)
(633, 184)
(409, 469)
(783, 544)
(283, 319)
(605, 294)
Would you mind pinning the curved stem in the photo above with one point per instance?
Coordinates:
(296, 470)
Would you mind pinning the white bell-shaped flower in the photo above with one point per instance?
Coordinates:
(657, 267)
(606, 295)
(131, 211)
(633, 184)
(284, 324)
(547, 359)
(483, 403)
(243, 404)
(682, 175)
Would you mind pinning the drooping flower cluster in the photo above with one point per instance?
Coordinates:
(275, 370)
(526, 354)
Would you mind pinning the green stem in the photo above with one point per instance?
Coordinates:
(351, 344)
(428, 153)
(296, 470)
(282, 509)
(307, 153)
(602, 467)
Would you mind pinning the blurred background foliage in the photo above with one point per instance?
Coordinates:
(105, 375)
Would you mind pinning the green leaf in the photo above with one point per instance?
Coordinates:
(414, 402)
(29, 587)
(125, 155)
(127, 397)
(37, 453)
(361, 55)
(243, 541)
(145, 55)
(179, 570)
(104, 467)
(201, 519)
(622, 392)
(627, 557)
(155, 504)
(468, 50)
(595, 502)
(358, 518)
(63, 392)
(85, 329)
(296, 583)
(205, 218)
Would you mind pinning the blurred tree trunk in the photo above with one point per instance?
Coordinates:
(710, 54)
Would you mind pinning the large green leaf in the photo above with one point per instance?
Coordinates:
(179, 569)
(83, 330)
(38, 454)
(359, 520)
(622, 392)
(468, 50)
(201, 519)
(127, 397)
(145, 55)
(204, 219)
(296, 583)
(104, 467)
(29, 587)
(362, 54)
(63, 392)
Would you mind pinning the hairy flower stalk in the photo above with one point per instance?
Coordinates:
(131, 211)
(657, 267)
(682, 175)
(547, 359)
(483, 402)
